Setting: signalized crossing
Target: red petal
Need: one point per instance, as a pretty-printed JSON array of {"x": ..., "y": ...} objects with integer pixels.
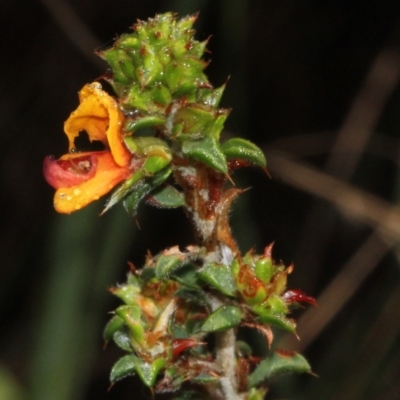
[
  {"x": 180, "y": 345},
  {"x": 69, "y": 172},
  {"x": 297, "y": 296}
]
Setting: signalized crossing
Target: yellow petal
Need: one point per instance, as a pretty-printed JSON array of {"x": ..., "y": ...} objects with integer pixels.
[
  {"x": 99, "y": 115},
  {"x": 108, "y": 175}
]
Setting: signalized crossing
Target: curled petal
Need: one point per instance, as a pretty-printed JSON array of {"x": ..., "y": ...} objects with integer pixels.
[
  {"x": 107, "y": 175},
  {"x": 297, "y": 296},
  {"x": 69, "y": 172},
  {"x": 180, "y": 345},
  {"x": 99, "y": 115}
]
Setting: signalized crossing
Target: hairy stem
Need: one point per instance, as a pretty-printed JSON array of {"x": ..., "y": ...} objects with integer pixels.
[{"x": 226, "y": 360}]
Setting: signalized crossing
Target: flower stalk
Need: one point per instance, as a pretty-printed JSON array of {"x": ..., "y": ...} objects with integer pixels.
[{"x": 178, "y": 300}]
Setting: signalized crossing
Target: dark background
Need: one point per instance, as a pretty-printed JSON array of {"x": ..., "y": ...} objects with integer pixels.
[{"x": 315, "y": 83}]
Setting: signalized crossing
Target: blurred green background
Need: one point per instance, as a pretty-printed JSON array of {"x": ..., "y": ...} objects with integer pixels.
[{"x": 316, "y": 84}]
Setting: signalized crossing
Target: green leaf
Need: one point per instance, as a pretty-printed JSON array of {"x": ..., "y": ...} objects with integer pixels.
[
  {"x": 166, "y": 264},
  {"x": 219, "y": 276},
  {"x": 161, "y": 94},
  {"x": 257, "y": 394},
  {"x": 179, "y": 332},
  {"x": 223, "y": 318},
  {"x": 148, "y": 121},
  {"x": 113, "y": 56},
  {"x": 166, "y": 197},
  {"x": 132, "y": 184},
  {"x": 191, "y": 395},
  {"x": 153, "y": 164},
  {"x": 279, "y": 320},
  {"x": 243, "y": 348},
  {"x": 124, "y": 367},
  {"x": 279, "y": 362},
  {"x": 187, "y": 276},
  {"x": 114, "y": 324},
  {"x": 213, "y": 97},
  {"x": 207, "y": 151},
  {"x": 132, "y": 317},
  {"x": 147, "y": 273},
  {"x": 127, "y": 293},
  {"x": 148, "y": 371},
  {"x": 123, "y": 340},
  {"x": 241, "y": 149},
  {"x": 204, "y": 378},
  {"x": 195, "y": 295},
  {"x": 132, "y": 201}
]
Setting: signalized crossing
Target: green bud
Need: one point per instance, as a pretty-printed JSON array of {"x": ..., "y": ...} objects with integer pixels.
[
  {"x": 137, "y": 98},
  {"x": 264, "y": 269},
  {"x": 160, "y": 94},
  {"x": 112, "y": 56}
]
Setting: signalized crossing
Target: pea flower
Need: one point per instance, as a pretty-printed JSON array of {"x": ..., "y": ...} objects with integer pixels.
[{"x": 80, "y": 178}]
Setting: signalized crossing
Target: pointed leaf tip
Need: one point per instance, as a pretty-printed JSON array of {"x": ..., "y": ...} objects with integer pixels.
[
  {"x": 207, "y": 151},
  {"x": 279, "y": 362},
  {"x": 242, "y": 149}
]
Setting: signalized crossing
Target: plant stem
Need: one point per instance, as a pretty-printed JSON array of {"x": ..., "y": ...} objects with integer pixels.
[{"x": 226, "y": 360}]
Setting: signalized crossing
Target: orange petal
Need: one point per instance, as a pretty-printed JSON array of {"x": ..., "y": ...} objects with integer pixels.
[
  {"x": 108, "y": 175},
  {"x": 99, "y": 115}
]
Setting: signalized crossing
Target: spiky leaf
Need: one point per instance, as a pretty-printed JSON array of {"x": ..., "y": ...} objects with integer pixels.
[
  {"x": 166, "y": 197},
  {"x": 194, "y": 295},
  {"x": 124, "y": 367},
  {"x": 207, "y": 151},
  {"x": 223, "y": 318},
  {"x": 132, "y": 201},
  {"x": 187, "y": 276},
  {"x": 266, "y": 316},
  {"x": 279, "y": 362},
  {"x": 148, "y": 371},
  {"x": 242, "y": 149},
  {"x": 122, "y": 340},
  {"x": 127, "y": 293},
  {"x": 113, "y": 325},
  {"x": 166, "y": 264},
  {"x": 142, "y": 122},
  {"x": 219, "y": 276}
]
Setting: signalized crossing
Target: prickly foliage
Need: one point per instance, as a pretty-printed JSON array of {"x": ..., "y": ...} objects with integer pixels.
[{"x": 161, "y": 130}]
